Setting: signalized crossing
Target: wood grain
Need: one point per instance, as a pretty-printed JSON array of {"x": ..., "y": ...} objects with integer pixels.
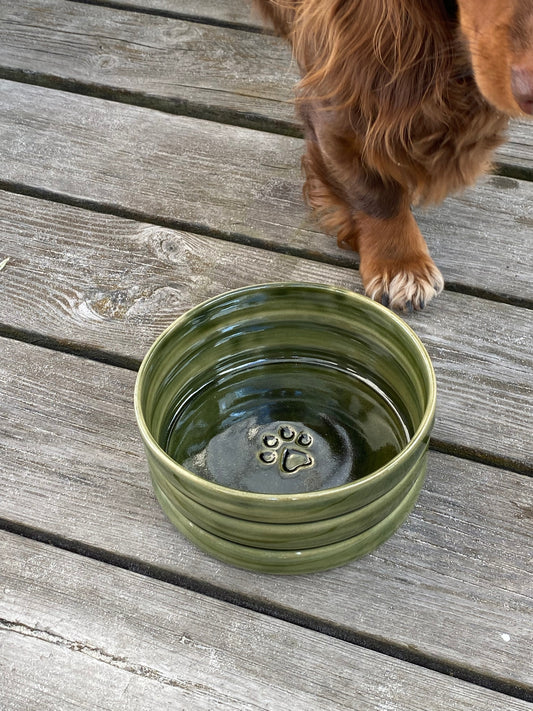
[
  {"x": 164, "y": 61},
  {"x": 235, "y": 183},
  {"x": 454, "y": 584},
  {"x": 172, "y": 64},
  {"x": 518, "y": 151},
  {"x": 100, "y": 283},
  {"x": 78, "y": 633},
  {"x": 224, "y": 11},
  {"x": 172, "y": 209}
]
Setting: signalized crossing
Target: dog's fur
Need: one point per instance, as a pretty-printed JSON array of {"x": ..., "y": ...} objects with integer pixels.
[{"x": 403, "y": 102}]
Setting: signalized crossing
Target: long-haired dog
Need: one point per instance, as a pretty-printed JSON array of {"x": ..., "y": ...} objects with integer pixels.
[{"x": 403, "y": 102}]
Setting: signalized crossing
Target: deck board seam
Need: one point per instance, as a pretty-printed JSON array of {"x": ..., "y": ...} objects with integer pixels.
[
  {"x": 116, "y": 360},
  {"x": 366, "y": 641},
  {"x": 173, "y": 106},
  {"x": 185, "y": 107},
  {"x": 232, "y": 237},
  {"x": 176, "y": 15}
]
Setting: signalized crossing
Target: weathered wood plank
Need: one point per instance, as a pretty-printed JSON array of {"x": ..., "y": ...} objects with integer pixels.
[
  {"x": 99, "y": 282},
  {"x": 175, "y": 65},
  {"x": 236, "y": 12},
  {"x": 454, "y": 584},
  {"x": 164, "y": 61},
  {"x": 239, "y": 182},
  {"x": 96, "y": 280},
  {"x": 518, "y": 151},
  {"x": 73, "y": 632}
]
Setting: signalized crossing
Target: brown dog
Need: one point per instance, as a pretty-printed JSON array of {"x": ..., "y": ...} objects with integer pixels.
[{"x": 403, "y": 101}]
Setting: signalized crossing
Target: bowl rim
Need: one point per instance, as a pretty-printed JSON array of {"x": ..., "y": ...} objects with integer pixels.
[{"x": 181, "y": 473}]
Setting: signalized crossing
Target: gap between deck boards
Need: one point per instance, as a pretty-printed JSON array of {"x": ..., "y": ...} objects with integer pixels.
[
  {"x": 238, "y": 238},
  {"x": 305, "y": 621},
  {"x": 184, "y": 107},
  {"x": 237, "y": 653},
  {"x": 109, "y": 358},
  {"x": 251, "y": 26}
]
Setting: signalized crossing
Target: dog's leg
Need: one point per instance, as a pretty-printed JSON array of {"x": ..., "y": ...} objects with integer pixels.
[
  {"x": 328, "y": 204},
  {"x": 372, "y": 218},
  {"x": 394, "y": 260}
]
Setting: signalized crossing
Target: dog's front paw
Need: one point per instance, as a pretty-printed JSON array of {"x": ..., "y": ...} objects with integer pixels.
[{"x": 406, "y": 286}]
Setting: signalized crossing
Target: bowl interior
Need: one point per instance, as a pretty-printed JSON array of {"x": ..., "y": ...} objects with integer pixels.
[
  {"x": 284, "y": 389},
  {"x": 276, "y": 425}
]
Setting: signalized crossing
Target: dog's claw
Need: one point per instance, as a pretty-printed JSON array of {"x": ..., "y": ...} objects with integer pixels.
[{"x": 409, "y": 290}]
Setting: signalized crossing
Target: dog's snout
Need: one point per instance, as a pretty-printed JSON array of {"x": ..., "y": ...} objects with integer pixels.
[{"x": 522, "y": 86}]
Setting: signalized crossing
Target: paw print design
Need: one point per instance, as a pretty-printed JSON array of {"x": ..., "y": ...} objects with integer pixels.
[{"x": 287, "y": 448}]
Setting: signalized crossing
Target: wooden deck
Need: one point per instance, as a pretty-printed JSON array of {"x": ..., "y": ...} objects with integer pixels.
[{"x": 149, "y": 160}]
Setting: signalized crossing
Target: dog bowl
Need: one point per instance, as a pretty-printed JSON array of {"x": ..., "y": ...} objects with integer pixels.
[
  {"x": 286, "y": 418},
  {"x": 288, "y": 536},
  {"x": 296, "y": 561}
]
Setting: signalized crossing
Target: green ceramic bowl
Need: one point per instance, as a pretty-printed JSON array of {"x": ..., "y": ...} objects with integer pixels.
[
  {"x": 286, "y": 404},
  {"x": 292, "y": 562},
  {"x": 289, "y": 536}
]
